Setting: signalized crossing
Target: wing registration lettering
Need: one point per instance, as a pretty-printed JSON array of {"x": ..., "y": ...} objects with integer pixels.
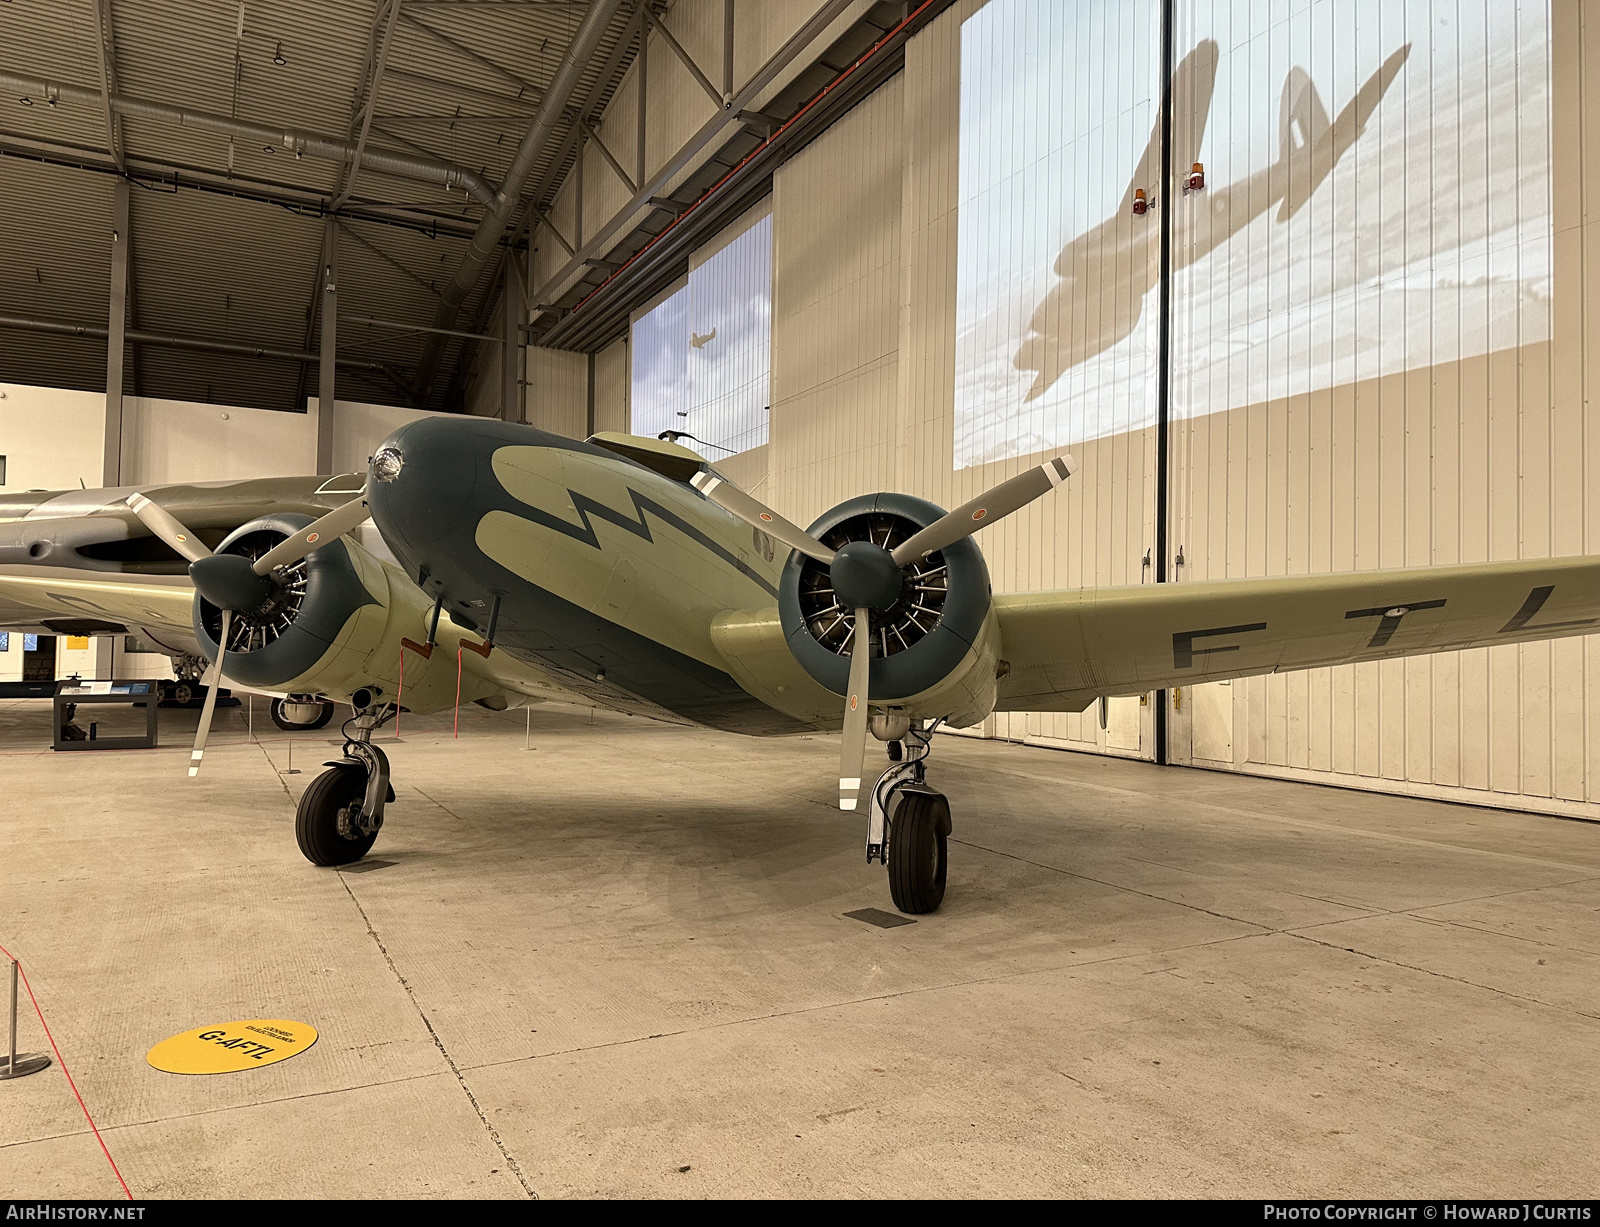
[
  {"x": 1184, "y": 651},
  {"x": 1390, "y": 616},
  {"x": 1535, "y": 602}
]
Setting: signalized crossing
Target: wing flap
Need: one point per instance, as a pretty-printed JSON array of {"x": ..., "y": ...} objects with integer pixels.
[{"x": 1066, "y": 649}]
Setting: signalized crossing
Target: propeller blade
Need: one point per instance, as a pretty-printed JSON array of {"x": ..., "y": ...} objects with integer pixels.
[
  {"x": 210, "y": 707},
  {"x": 315, "y": 535},
  {"x": 730, "y": 498},
  {"x": 853, "y": 751},
  {"x": 988, "y": 507},
  {"x": 166, "y": 526}
]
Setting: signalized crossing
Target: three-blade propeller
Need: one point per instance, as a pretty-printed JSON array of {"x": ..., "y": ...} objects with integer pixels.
[
  {"x": 867, "y": 577},
  {"x": 233, "y": 583},
  {"x": 752, "y": 511}
]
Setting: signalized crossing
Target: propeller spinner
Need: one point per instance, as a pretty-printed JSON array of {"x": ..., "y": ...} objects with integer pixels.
[{"x": 868, "y": 578}]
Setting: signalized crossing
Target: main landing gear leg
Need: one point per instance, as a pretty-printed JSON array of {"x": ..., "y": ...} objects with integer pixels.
[
  {"x": 341, "y": 812},
  {"x": 908, "y": 825}
]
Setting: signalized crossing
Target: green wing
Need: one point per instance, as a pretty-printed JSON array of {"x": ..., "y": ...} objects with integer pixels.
[{"x": 1065, "y": 649}]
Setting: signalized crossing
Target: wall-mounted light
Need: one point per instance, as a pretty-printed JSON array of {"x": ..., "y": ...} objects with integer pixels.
[
  {"x": 25, "y": 101},
  {"x": 277, "y": 56},
  {"x": 268, "y": 149}
]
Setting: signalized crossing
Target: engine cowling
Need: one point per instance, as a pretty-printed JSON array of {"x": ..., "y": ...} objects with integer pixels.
[
  {"x": 933, "y": 647},
  {"x": 319, "y": 623},
  {"x": 336, "y": 623}
]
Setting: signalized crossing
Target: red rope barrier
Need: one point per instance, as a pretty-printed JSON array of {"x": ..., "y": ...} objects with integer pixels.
[{"x": 61, "y": 1062}]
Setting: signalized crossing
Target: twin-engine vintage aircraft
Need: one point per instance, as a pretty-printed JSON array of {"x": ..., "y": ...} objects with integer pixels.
[{"x": 625, "y": 572}]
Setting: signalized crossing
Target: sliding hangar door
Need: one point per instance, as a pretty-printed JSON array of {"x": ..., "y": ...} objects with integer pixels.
[
  {"x": 1340, "y": 325},
  {"x": 1359, "y": 347}
]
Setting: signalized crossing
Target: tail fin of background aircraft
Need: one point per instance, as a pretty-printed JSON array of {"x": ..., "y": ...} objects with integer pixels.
[
  {"x": 1302, "y": 119},
  {"x": 1193, "y": 81},
  {"x": 1308, "y": 145}
]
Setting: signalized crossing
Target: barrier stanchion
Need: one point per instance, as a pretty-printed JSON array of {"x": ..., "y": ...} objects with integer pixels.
[
  {"x": 18, "y": 1063},
  {"x": 29, "y": 1062}
]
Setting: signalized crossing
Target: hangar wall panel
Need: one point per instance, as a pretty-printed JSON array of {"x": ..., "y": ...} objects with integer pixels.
[
  {"x": 51, "y": 438},
  {"x": 835, "y": 303},
  {"x": 611, "y": 387},
  {"x": 558, "y": 391},
  {"x": 173, "y": 441}
]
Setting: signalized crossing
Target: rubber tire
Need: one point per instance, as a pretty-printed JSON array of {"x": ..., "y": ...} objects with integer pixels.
[
  {"x": 289, "y": 726},
  {"x": 316, "y": 821},
  {"x": 918, "y": 852}
]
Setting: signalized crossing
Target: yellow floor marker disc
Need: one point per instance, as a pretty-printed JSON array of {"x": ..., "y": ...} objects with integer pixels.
[{"x": 230, "y": 1047}]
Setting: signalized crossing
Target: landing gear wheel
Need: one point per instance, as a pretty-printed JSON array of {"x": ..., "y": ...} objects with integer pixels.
[
  {"x": 183, "y": 694},
  {"x": 918, "y": 855},
  {"x": 281, "y": 719},
  {"x": 316, "y": 822}
]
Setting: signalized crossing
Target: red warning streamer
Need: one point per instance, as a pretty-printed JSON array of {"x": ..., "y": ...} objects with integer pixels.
[{"x": 61, "y": 1062}]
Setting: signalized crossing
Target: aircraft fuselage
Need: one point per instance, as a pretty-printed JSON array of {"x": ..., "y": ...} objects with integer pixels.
[{"x": 576, "y": 559}]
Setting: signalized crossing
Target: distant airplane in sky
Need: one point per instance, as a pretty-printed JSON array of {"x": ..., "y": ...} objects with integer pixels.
[
  {"x": 698, "y": 341},
  {"x": 1107, "y": 271}
]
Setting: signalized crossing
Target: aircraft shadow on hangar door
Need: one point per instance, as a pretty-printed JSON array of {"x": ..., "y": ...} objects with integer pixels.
[{"x": 1113, "y": 267}]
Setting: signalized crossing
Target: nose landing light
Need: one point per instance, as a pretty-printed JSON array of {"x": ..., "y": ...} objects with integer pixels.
[{"x": 387, "y": 463}]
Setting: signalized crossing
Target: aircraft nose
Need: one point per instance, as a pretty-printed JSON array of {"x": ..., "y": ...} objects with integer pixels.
[
  {"x": 429, "y": 486},
  {"x": 420, "y": 482}
]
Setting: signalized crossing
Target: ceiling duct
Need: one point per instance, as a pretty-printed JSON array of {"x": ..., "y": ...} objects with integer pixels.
[
  {"x": 290, "y": 140},
  {"x": 487, "y": 239},
  {"x": 142, "y": 336}
]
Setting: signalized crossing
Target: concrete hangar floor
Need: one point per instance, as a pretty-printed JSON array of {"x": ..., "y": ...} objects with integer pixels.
[{"x": 618, "y": 964}]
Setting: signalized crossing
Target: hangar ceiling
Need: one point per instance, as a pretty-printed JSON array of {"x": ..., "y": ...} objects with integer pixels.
[
  {"x": 237, "y": 127},
  {"x": 227, "y": 224}
]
